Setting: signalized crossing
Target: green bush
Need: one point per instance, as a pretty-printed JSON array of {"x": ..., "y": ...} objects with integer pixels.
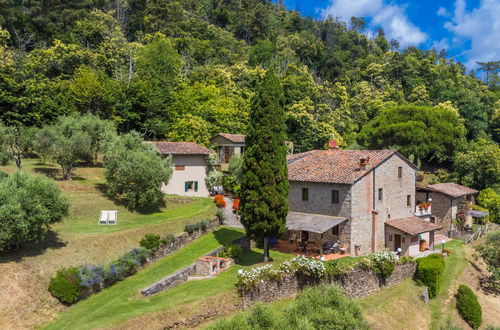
[
  {"x": 65, "y": 286},
  {"x": 167, "y": 239},
  {"x": 221, "y": 215},
  {"x": 189, "y": 228},
  {"x": 430, "y": 273},
  {"x": 468, "y": 306},
  {"x": 203, "y": 225},
  {"x": 151, "y": 242},
  {"x": 323, "y": 307},
  {"x": 231, "y": 251}
]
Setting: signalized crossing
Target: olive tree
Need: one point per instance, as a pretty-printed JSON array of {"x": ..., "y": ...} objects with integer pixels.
[
  {"x": 29, "y": 205},
  {"x": 135, "y": 172}
]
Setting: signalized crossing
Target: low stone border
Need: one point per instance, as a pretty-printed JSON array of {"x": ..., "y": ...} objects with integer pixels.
[
  {"x": 357, "y": 284},
  {"x": 183, "y": 274}
]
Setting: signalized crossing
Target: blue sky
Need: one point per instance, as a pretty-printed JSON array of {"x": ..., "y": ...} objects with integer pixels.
[{"x": 468, "y": 30}]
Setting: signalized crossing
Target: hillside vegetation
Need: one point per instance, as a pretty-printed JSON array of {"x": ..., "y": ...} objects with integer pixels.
[{"x": 185, "y": 70}]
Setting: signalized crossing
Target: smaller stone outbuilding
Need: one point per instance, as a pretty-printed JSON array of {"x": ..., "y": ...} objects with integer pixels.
[
  {"x": 190, "y": 168},
  {"x": 413, "y": 235},
  {"x": 228, "y": 146},
  {"x": 446, "y": 199}
]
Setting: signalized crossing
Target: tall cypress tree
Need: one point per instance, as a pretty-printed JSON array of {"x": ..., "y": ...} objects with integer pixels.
[{"x": 264, "y": 188}]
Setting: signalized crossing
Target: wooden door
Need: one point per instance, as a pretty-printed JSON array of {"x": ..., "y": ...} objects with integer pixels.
[
  {"x": 397, "y": 242},
  {"x": 227, "y": 155}
]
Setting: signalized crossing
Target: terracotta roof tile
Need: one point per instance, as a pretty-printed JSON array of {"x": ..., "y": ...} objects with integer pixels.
[
  {"x": 452, "y": 189},
  {"x": 333, "y": 166},
  {"x": 413, "y": 225},
  {"x": 180, "y": 148},
  {"x": 236, "y": 138}
]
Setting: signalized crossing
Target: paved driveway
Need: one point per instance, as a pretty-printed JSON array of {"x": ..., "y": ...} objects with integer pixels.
[{"x": 231, "y": 218}]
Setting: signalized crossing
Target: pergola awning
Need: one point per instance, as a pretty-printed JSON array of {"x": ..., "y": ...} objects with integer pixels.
[
  {"x": 478, "y": 214},
  {"x": 314, "y": 223}
]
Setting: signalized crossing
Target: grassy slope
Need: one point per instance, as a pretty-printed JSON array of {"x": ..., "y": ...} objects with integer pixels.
[
  {"x": 25, "y": 273},
  {"x": 400, "y": 306},
  {"x": 123, "y": 301}
]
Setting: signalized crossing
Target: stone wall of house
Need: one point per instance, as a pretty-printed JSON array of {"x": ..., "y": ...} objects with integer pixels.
[
  {"x": 183, "y": 274},
  {"x": 357, "y": 284},
  {"x": 180, "y": 241},
  {"x": 320, "y": 202},
  {"x": 392, "y": 206}
]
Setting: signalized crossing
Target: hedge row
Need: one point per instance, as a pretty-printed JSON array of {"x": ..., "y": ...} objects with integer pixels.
[
  {"x": 468, "y": 306},
  {"x": 430, "y": 271},
  {"x": 72, "y": 284}
]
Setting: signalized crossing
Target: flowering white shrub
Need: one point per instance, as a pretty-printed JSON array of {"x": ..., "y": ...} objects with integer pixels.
[
  {"x": 297, "y": 265},
  {"x": 383, "y": 262}
]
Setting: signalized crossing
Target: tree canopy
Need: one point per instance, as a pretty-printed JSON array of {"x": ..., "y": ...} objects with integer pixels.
[
  {"x": 30, "y": 204},
  {"x": 430, "y": 133}
]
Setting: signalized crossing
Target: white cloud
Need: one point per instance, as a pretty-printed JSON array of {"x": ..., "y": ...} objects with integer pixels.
[
  {"x": 441, "y": 44},
  {"x": 391, "y": 18},
  {"x": 442, "y": 12},
  {"x": 481, "y": 27}
]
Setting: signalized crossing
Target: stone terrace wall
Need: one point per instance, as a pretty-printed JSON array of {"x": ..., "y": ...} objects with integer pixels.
[
  {"x": 183, "y": 274},
  {"x": 358, "y": 283}
]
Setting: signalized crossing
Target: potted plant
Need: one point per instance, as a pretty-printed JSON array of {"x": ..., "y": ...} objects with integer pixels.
[{"x": 423, "y": 244}]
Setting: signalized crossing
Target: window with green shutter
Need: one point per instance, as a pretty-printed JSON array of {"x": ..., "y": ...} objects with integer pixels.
[
  {"x": 196, "y": 186},
  {"x": 186, "y": 186}
]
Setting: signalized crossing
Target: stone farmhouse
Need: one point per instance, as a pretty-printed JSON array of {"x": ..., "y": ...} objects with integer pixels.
[
  {"x": 447, "y": 200},
  {"x": 190, "y": 168},
  {"x": 364, "y": 199}
]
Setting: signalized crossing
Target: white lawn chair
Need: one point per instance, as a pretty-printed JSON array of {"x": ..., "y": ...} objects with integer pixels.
[{"x": 108, "y": 218}]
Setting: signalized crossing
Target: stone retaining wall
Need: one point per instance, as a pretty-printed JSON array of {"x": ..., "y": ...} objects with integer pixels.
[
  {"x": 357, "y": 284},
  {"x": 183, "y": 274}
]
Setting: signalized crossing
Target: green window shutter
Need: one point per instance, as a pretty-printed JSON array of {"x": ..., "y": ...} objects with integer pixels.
[
  {"x": 196, "y": 186},
  {"x": 186, "y": 186}
]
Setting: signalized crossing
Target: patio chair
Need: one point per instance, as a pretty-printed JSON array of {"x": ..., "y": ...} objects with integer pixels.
[{"x": 343, "y": 249}]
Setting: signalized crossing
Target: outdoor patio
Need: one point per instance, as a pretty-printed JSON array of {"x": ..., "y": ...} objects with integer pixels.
[{"x": 283, "y": 246}]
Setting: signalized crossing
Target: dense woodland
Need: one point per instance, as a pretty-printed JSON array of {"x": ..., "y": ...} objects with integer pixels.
[{"x": 185, "y": 70}]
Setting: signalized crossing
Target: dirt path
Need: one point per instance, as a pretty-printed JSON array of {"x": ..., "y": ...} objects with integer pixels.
[{"x": 490, "y": 303}]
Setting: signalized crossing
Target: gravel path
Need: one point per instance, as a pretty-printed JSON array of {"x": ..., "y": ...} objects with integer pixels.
[{"x": 231, "y": 218}]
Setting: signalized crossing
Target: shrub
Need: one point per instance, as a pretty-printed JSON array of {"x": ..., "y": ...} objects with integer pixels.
[
  {"x": 130, "y": 262},
  {"x": 203, "y": 225},
  {"x": 334, "y": 269},
  {"x": 167, "y": 239},
  {"x": 221, "y": 215},
  {"x": 430, "y": 273},
  {"x": 324, "y": 307},
  {"x": 92, "y": 276},
  {"x": 219, "y": 201},
  {"x": 405, "y": 259},
  {"x": 236, "y": 204},
  {"x": 383, "y": 262},
  {"x": 231, "y": 251},
  {"x": 189, "y": 228},
  {"x": 468, "y": 306},
  {"x": 65, "y": 285},
  {"x": 151, "y": 242}
]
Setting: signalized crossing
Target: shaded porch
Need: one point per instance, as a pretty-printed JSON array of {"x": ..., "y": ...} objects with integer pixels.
[{"x": 314, "y": 235}]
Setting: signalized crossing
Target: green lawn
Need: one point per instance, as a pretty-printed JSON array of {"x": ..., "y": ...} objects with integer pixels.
[{"x": 123, "y": 301}]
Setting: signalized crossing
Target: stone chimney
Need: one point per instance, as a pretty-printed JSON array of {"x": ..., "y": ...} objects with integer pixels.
[
  {"x": 364, "y": 163},
  {"x": 332, "y": 144}
]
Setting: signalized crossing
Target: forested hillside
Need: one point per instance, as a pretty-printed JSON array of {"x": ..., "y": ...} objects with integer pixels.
[{"x": 184, "y": 70}]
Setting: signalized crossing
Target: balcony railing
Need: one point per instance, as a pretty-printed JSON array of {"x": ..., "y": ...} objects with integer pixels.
[{"x": 422, "y": 211}]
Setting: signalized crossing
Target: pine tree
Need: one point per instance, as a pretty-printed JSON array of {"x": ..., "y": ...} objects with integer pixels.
[{"x": 264, "y": 189}]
